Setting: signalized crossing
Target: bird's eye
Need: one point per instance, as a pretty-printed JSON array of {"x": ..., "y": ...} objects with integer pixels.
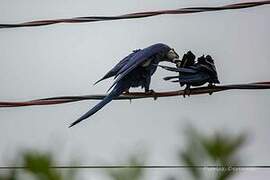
[{"x": 171, "y": 55}]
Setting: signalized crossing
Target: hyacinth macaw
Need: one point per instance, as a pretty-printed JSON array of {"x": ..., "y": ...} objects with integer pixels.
[
  {"x": 188, "y": 60},
  {"x": 135, "y": 70},
  {"x": 194, "y": 74}
]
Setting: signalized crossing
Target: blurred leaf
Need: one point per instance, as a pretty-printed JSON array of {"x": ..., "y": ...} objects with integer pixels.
[
  {"x": 220, "y": 149},
  {"x": 188, "y": 160},
  {"x": 10, "y": 176},
  {"x": 128, "y": 173},
  {"x": 225, "y": 174},
  {"x": 39, "y": 165}
]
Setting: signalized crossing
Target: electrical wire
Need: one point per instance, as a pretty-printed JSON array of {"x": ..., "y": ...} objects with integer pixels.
[
  {"x": 136, "y": 15},
  {"x": 137, "y": 95}
]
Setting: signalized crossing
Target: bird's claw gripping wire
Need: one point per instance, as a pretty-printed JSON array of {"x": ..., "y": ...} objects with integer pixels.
[
  {"x": 187, "y": 91},
  {"x": 152, "y": 93},
  {"x": 127, "y": 93},
  {"x": 211, "y": 86}
]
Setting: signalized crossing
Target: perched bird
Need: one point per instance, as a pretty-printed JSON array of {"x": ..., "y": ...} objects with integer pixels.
[
  {"x": 188, "y": 59},
  {"x": 135, "y": 70},
  {"x": 201, "y": 72}
]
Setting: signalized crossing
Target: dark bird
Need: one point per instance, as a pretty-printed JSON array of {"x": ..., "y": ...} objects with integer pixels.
[
  {"x": 135, "y": 70},
  {"x": 188, "y": 59},
  {"x": 201, "y": 72}
]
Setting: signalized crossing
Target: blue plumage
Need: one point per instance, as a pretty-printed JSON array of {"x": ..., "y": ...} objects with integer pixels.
[
  {"x": 194, "y": 74},
  {"x": 118, "y": 66},
  {"x": 135, "y": 70}
]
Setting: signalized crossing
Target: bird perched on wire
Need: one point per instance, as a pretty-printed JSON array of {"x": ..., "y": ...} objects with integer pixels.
[
  {"x": 194, "y": 74},
  {"x": 188, "y": 59},
  {"x": 135, "y": 70}
]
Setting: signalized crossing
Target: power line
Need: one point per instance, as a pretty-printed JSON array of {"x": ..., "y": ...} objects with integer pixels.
[
  {"x": 136, "y": 95},
  {"x": 136, "y": 15},
  {"x": 147, "y": 167}
]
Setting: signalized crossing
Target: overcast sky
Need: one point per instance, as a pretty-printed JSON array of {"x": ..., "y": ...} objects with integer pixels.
[{"x": 66, "y": 59}]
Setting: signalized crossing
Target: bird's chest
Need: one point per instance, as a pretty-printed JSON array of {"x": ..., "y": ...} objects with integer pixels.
[
  {"x": 150, "y": 66},
  {"x": 147, "y": 63},
  {"x": 141, "y": 74}
]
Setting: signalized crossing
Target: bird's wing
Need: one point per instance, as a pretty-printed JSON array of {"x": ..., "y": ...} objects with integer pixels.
[
  {"x": 193, "y": 78},
  {"x": 209, "y": 69},
  {"x": 136, "y": 60},
  {"x": 118, "y": 66},
  {"x": 180, "y": 70},
  {"x": 170, "y": 77}
]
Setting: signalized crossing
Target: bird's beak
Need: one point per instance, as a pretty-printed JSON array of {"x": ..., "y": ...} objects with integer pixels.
[
  {"x": 173, "y": 56},
  {"x": 176, "y": 60}
]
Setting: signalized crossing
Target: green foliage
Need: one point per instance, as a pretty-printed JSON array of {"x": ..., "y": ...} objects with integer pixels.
[
  {"x": 132, "y": 173},
  {"x": 219, "y": 150},
  {"x": 38, "y": 166},
  {"x": 10, "y": 176}
]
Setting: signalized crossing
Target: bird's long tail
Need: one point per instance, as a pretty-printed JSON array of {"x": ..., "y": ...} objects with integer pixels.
[{"x": 117, "y": 91}]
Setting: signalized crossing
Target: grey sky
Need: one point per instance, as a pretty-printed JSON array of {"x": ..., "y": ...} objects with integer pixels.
[{"x": 67, "y": 59}]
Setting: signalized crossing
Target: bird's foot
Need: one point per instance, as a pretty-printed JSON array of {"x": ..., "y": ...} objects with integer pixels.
[
  {"x": 211, "y": 86},
  {"x": 127, "y": 93},
  {"x": 177, "y": 63},
  {"x": 187, "y": 91},
  {"x": 151, "y": 92}
]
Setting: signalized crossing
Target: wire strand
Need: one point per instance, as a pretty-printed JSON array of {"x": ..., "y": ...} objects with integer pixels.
[
  {"x": 146, "y": 167},
  {"x": 145, "y": 14},
  {"x": 137, "y": 95}
]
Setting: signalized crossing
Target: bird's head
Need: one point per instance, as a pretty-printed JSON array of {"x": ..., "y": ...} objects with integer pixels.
[
  {"x": 210, "y": 62},
  {"x": 190, "y": 56},
  {"x": 209, "y": 59},
  {"x": 172, "y": 56},
  {"x": 188, "y": 59},
  {"x": 201, "y": 60}
]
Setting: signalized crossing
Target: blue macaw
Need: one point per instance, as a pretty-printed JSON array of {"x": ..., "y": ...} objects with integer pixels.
[
  {"x": 194, "y": 74},
  {"x": 135, "y": 70},
  {"x": 188, "y": 60}
]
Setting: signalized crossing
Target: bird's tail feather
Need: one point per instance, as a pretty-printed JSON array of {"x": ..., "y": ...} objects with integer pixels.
[
  {"x": 114, "y": 93},
  {"x": 170, "y": 77},
  {"x": 99, "y": 81}
]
